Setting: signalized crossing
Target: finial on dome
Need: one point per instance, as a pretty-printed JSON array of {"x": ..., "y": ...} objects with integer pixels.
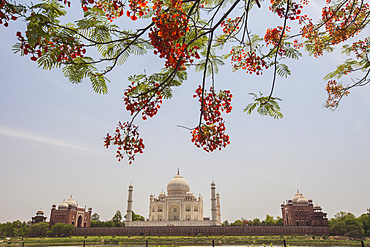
[
  {"x": 178, "y": 171},
  {"x": 297, "y": 190}
]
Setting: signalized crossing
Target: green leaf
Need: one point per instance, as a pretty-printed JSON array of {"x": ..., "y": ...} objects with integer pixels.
[{"x": 265, "y": 106}]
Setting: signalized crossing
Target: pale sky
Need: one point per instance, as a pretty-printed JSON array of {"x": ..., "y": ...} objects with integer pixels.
[{"x": 51, "y": 142}]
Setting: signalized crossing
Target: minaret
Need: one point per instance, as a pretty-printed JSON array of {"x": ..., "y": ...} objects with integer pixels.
[
  {"x": 150, "y": 206},
  {"x": 213, "y": 202},
  {"x": 129, "y": 203},
  {"x": 218, "y": 207}
]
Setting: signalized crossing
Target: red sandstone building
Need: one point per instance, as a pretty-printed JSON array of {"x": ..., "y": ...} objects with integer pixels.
[
  {"x": 69, "y": 212},
  {"x": 39, "y": 217},
  {"x": 299, "y": 211}
]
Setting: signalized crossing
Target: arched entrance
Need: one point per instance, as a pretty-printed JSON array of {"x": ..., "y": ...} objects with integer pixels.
[
  {"x": 79, "y": 221},
  {"x": 174, "y": 213}
]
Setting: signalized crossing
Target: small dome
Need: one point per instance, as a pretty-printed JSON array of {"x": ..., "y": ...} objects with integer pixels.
[
  {"x": 40, "y": 211},
  {"x": 178, "y": 185},
  {"x": 317, "y": 206},
  {"x": 189, "y": 193},
  {"x": 162, "y": 195},
  {"x": 72, "y": 202},
  {"x": 302, "y": 200},
  {"x": 63, "y": 205},
  {"x": 296, "y": 197}
]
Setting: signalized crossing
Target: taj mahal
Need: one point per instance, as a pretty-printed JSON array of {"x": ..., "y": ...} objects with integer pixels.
[{"x": 179, "y": 207}]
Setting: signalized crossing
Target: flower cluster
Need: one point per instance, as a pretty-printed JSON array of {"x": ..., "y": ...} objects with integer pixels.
[
  {"x": 6, "y": 13},
  {"x": 342, "y": 24},
  {"x": 59, "y": 51},
  {"x": 248, "y": 61},
  {"x": 170, "y": 26},
  {"x": 113, "y": 8},
  {"x": 230, "y": 25},
  {"x": 84, "y": 4},
  {"x": 127, "y": 138},
  {"x": 297, "y": 44},
  {"x": 148, "y": 103},
  {"x": 137, "y": 7},
  {"x": 272, "y": 35},
  {"x": 339, "y": 22},
  {"x": 361, "y": 48},
  {"x": 278, "y": 7},
  {"x": 210, "y": 135},
  {"x": 335, "y": 92}
]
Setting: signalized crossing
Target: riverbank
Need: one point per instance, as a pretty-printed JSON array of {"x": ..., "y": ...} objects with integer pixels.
[{"x": 184, "y": 241}]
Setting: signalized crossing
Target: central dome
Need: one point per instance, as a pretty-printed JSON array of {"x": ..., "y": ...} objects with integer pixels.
[{"x": 177, "y": 185}]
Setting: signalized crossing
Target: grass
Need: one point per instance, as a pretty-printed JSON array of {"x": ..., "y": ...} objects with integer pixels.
[{"x": 191, "y": 240}]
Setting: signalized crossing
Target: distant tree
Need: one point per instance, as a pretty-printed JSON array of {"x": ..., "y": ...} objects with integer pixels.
[
  {"x": 14, "y": 229},
  {"x": 365, "y": 220},
  {"x": 62, "y": 230},
  {"x": 136, "y": 217},
  {"x": 97, "y": 223},
  {"x": 39, "y": 229},
  {"x": 95, "y": 217},
  {"x": 237, "y": 223},
  {"x": 22, "y": 231},
  {"x": 279, "y": 221},
  {"x": 117, "y": 218},
  {"x": 346, "y": 224},
  {"x": 269, "y": 221},
  {"x": 109, "y": 224},
  {"x": 225, "y": 223},
  {"x": 337, "y": 228},
  {"x": 255, "y": 222},
  {"x": 7, "y": 229}
]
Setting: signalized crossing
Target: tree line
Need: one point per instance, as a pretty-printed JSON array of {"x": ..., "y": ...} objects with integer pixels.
[
  {"x": 268, "y": 221},
  {"x": 347, "y": 224},
  {"x": 116, "y": 220},
  {"x": 41, "y": 229},
  {"x": 342, "y": 224}
]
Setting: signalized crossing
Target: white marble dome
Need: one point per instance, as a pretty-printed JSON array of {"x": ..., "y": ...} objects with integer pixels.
[
  {"x": 178, "y": 185},
  {"x": 162, "y": 195}
]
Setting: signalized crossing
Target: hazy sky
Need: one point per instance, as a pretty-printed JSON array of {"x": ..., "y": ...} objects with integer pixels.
[{"x": 51, "y": 142}]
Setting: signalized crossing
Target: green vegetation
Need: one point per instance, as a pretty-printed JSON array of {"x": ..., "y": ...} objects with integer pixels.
[
  {"x": 346, "y": 224},
  {"x": 116, "y": 221},
  {"x": 61, "y": 230},
  {"x": 184, "y": 241},
  {"x": 39, "y": 229},
  {"x": 269, "y": 221},
  {"x": 343, "y": 224},
  {"x": 136, "y": 217}
]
